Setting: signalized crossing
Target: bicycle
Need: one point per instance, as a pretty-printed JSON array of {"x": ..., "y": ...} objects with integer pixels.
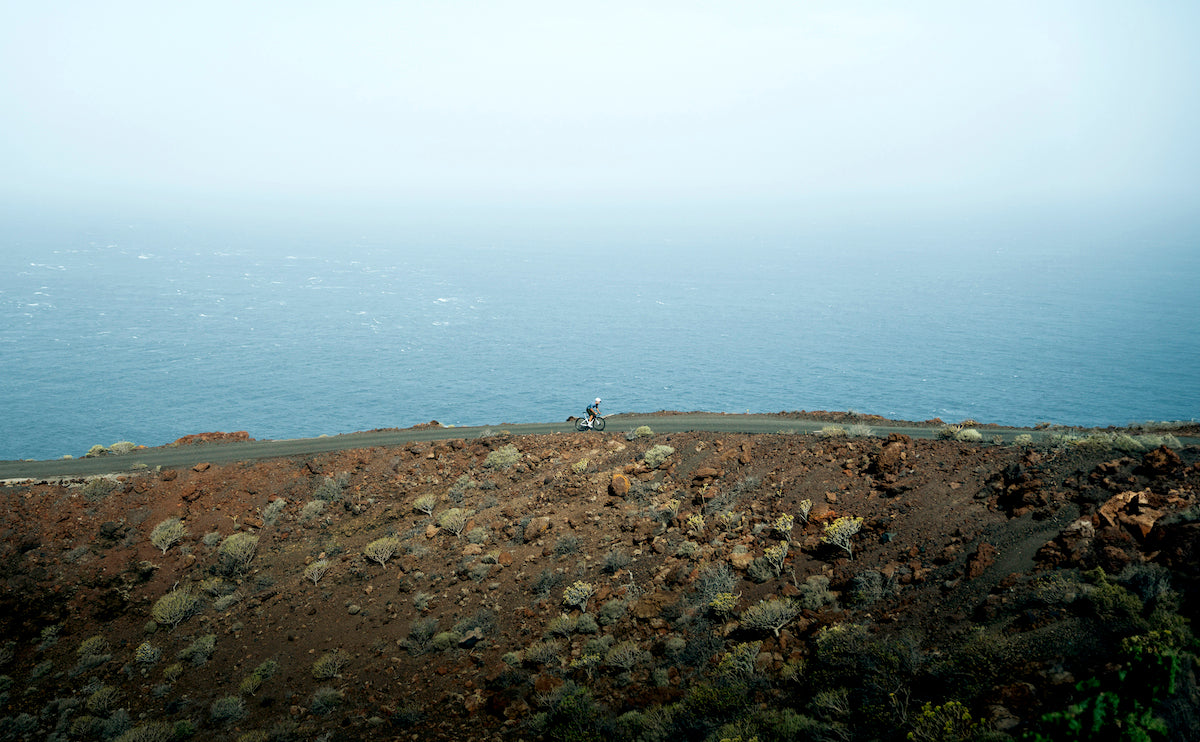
[{"x": 582, "y": 423}]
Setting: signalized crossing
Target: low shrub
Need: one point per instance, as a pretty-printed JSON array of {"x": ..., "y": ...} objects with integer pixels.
[
  {"x": 103, "y": 699},
  {"x": 168, "y": 533},
  {"x": 770, "y": 614},
  {"x": 330, "y": 490},
  {"x": 381, "y": 549},
  {"x": 155, "y": 731},
  {"x": 227, "y": 709},
  {"x": 542, "y": 653},
  {"x": 315, "y": 571},
  {"x": 425, "y": 503},
  {"x": 312, "y": 510},
  {"x": 272, "y": 511},
  {"x": 146, "y": 654},
  {"x": 454, "y": 520},
  {"x": 255, "y": 680},
  {"x": 579, "y": 594},
  {"x": 329, "y": 665},
  {"x": 97, "y": 488},
  {"x": 92, "y": 646},
  {"x": 657, "y": 455},
  {"x": 840, "y": 531},
  {"x": 325, "y": 700},
  {"x": 236, "y": 552},
  {"x": 643, "y": 431},
  {"x": 567, "y": 544},
  {"x": 624, "y": 656},
  {"x": 175, "y": 607},
  {"x": 502, "y": 458},
  {"x": 615, "y": 561},
  {"x": 199, "y": 651}
]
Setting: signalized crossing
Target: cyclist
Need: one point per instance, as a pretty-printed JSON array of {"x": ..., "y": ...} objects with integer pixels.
[{"x": 593, "y": 411}]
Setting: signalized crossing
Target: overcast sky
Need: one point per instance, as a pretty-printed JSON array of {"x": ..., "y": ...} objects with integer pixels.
[{"x": 950, "y": 102}]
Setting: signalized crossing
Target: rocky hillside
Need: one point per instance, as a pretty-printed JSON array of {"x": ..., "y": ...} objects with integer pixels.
[{"x": 613, "y": 586}]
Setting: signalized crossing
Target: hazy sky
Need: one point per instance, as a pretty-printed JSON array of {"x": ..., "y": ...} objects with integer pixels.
[{"x": 951, "y": 103}]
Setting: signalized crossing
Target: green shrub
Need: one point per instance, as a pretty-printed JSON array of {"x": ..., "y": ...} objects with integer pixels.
[
  {"x": 236, "y": 552},
  {"x": 227, "y": 709},
  {"x": 503, "y": 457},
  {"x": 839, "y": 532},
  {"x": 272, "y": 511},
  {"x": 172, "y": 672},
  {"x": 255, "y": 680},
  {"x": 425, "y": 503},
  {"x": 92, "y": 646},
  {"x": 624, "y": 656},
  {"x": 567, "y": 544},
  {"x": 325, "y": 700},
  {"x": 315, "y": 571},
  {"x": 329, "y": 490},
  {"x": 815, "y": 593},
  {"x": 643, "y": 431},
  {"x": 445, "y": 641},
  {"x": 168, "y": 533},
  {"x": 102, "y": 700},
  {"x": 478, "y": 535},
  {"x": 968, "y": 435},
  {"x": 381, "y": 549},
  {"x": 328, "y": 665},
  {"x": 657, "y": 455},
  {"x": 611, "y": 612},
  {"x": 454, "y": 520},
  {"x": 615, "y": 561},
  {"x": 740, "y": 660},
  {"x": 121, "y": 448},
  {"x": 542, "y": 653},
  {"x": 175, "y": 607},
  {"x": 312, "y": 510},
  {"x": 155, "y": 731},
  {"x": 579, "y": 594},
  {"x": 146, "y": 654},
  {"x": 771, "y": 614},
  {"x": 948, "y": 722},
  {"x": 420, "y": 634},
  {"x": 97, "y": 488},
  {"x": 199, "y": 650}
]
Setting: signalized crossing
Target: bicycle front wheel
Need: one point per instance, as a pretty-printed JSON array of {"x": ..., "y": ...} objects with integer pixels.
[{"x": 598, "y": 423}]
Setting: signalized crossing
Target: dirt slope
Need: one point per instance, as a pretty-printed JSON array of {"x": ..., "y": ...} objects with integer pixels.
[{"x": 460, "y": 635}]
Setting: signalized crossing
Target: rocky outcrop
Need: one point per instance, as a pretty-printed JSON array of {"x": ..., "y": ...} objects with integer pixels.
[{"x": 240, "y": 436}]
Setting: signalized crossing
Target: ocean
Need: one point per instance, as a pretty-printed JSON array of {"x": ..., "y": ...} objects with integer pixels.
[{"x": 150, "y": 331}]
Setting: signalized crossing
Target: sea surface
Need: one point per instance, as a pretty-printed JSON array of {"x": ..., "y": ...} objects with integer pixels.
[{"x": 148, "y": 332}]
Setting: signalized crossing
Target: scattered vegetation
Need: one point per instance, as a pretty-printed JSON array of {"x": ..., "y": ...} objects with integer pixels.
[
  {"x": 236, "y": 552},
  {"x": 657, "y": 455},
  {"x": 176, "y": 607},
  {"x": 502, "y": 458},
  {"x": 380, "y": 550},
  {"x": 316, "y": 570},
  {"x": 168, "y": 533}
]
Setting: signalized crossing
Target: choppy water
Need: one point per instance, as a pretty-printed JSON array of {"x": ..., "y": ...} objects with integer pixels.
[{"x": 143, "y": 335}]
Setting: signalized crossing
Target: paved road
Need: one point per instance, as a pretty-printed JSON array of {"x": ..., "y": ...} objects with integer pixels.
[{"x": 223, "y": 453}]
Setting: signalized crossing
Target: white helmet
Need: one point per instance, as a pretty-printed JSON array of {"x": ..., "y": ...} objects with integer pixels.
[{"x": 597, "y": 400}]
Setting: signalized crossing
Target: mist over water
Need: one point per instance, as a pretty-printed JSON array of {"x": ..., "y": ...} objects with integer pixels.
[{"x": 154, "y": 330}]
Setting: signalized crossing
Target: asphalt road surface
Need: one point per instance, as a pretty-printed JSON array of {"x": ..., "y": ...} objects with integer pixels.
[{"x": 169, "y": 457}]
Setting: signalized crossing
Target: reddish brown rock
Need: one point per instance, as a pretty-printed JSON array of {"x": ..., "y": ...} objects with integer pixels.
[
  {"x": 537, "y": 528},
  {"x": 984, "y": 557},
  {"x": 619, "y": 486},
  {"x": 195, "y": 438},
  {"x": 1160, "y": 461}
]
